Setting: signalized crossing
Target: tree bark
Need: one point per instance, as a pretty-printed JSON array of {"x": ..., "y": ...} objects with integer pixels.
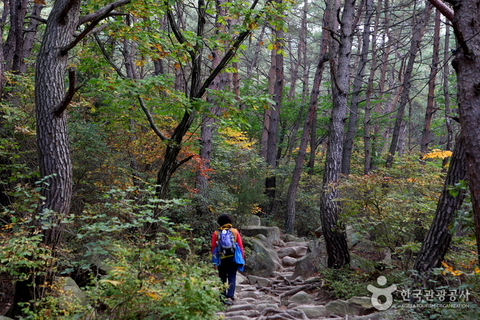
[
  {"x": 431, "y": 86},
  {"x": 52, "y": 137},
  {"x": 270, "y": 183},
  {"x": 333, "y": 231},
  {"x": 368, "y": 95},
  {"x": 268, "y": 111},
  {"x": 466, "y": 25},
  {"x": 438, "y": 238},
  {"x": 30, "y": 35},
  {"x": 446, "y": 94},
  {"x": 307, "y": 127},
  {"x": 357, "y": 88},
  {"x": 418, "y": 31}
]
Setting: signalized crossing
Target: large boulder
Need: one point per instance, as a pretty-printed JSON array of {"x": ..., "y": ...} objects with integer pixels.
[
  {"x": 263, "y": 260},
  {"x": 313, "y": 261},
  {"x": 271, "y": 233},
  {"x": 254, "y": 221},
  {"x": 70, "y": 293},
  {"x": 357, "y": 262}
]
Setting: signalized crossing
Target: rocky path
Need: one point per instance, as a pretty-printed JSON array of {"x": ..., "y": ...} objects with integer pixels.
[{"x": 283, "y": 297}]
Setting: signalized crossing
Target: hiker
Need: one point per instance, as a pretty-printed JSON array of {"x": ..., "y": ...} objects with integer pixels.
[{"x": 227, "y": 251}]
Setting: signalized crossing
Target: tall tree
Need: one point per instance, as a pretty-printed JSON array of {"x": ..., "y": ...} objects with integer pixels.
[
  {"x": 357, "y": 88},
  {"x": 418, "y": 31},
  {"x": 466, "y": 25},
  {"x": 438, "y": 238},
  {"x": 333, "y": 232},
  {"x": 431, "y": 86},
  {"x": 368, "y": 94},
  {"x": 270, "y": 183},
  {"x": 311, "y": 114}
]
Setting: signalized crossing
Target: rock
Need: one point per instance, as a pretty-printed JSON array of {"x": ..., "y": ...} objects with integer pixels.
[
  {"x": 287, "y": 251},
  {"x": 272, "y": 233},
  {"x": 295, "y": 252},
  {"x": 337, "y": 307},
  {"x": 250, "y": 313},
  {"x": 240, "y": 279},
  {"x": 252, "y": 279},
  {"x": 265, "y": 241},
  {"x": 312, "y": 262},
  {"x": 262, "y": 261},
  {"x": 241, "y": 307},
  {"x": 251, "y": 294},
  {"x": 264, "y": 306},
  {"x": 297, "y": 244},
  {"x": 358, "y": 262},
  {"x": 239, "y": 318},
  {"x": 278, "y": 243},
  {"x": 314, "y": 312},
  {"x": 388, "y": 257},
  {"x": 254, "y": 221},
  {"x": 301, "y": 298},
  {"x": 364, "y": 246},
  {"x": 292, "y": 238},
  {"x": 289, "y": 261},
  {"x": 264, "y": 282},
  {"x": 5, "y": 318},
  {"x": 353, "y": 238},
  {"x": 360, "y": 306},
  {"x": 298, "y": 314},
  {"x": 69, "y": 292}
]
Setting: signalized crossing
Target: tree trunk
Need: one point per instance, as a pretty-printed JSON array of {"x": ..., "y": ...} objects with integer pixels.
[
  {"x": 208, "y": 123},
  {"x": 52, "y": 137},
  {"x": 431, "y": 86},
  {"x": 467, "y": 65},
  {"x": 438, "y": 238},
  {"x": 368, "y": 95},
  {"x": 418, "y": 31},
  {"x": 357, "y": 88},
  {"x": 268, "y": 111},
  {"x": 333, "y": 232},
  {"x": 307, "y": 127},
  {"x": 30, "y": 35},
  {"x": 302, "y": 49},
  {"x": 446, "y": 95},
  {"x": 270, "y": 183},
  {"x": 21, "y": 11}
]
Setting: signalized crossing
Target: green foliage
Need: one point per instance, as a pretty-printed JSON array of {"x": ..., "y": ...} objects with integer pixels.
[
  {"x": 344, "y": 283},
  {"x": 147, "y": 281},
  {"x": 393, "y": 207}
]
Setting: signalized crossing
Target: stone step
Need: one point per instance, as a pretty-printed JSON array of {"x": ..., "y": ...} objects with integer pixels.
[
  {"x": 295, "y": 252},
  {"x": 296, "y": 244}
]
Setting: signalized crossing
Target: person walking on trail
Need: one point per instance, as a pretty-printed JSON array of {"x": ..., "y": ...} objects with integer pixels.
[{"x": 227, "y": 251}]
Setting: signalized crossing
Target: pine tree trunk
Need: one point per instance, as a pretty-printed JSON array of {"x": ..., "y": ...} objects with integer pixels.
[
  {"x": 270, "y": 183},
  {"x": 368, "y": 95},
  {"x": 438, "y": 238},
  {"x": 418, "y": 32},
  {"x": 446, "y": 94},
  {"x": 52, "y": 137},
  {"x": 333, "y": 232},
  {"x": 466, "y": 63},
  {"x": 357, "y": 88},
  {"x": 431, "y": 86}
]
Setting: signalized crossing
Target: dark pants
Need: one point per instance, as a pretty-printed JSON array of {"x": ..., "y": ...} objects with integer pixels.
[{"x": 228, "y": 269}]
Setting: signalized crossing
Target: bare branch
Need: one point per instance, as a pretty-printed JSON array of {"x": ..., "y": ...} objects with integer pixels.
[
  {"x": 103, "y": 12},
  {"x": 150, "y": 120},
  {"x": 42, "y": 20},
  {"x": 95, "y": 18}
]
